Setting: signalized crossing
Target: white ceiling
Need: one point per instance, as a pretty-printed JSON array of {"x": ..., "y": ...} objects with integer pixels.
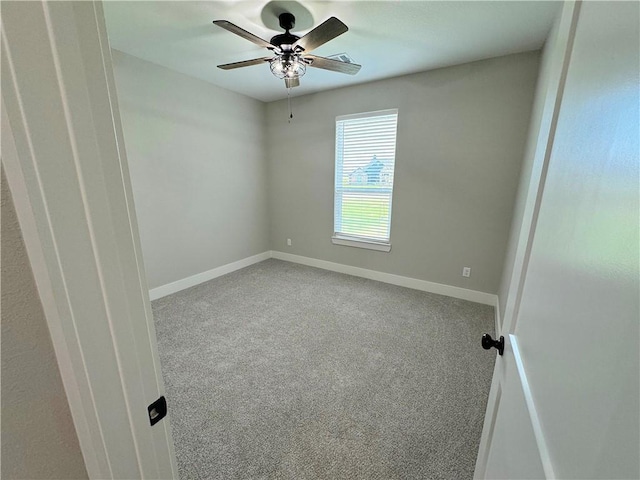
[{"x": 388, "y": 38}]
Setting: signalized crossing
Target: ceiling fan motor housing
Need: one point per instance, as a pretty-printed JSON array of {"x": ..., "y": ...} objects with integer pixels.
[
  {"x": 287, "y": 22},
  {"x": 284, "y": 39}
]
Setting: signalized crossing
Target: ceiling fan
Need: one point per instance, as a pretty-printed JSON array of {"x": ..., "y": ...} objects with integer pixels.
[{"x": 291, "y": 51}]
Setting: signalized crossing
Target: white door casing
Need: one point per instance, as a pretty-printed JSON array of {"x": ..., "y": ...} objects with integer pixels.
[
  {"x": 565, "y": 399},
  {"x": 64, "y": 157}
]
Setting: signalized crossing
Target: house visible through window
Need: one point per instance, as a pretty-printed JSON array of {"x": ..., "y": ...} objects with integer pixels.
[{"x": 365, "y": 161}]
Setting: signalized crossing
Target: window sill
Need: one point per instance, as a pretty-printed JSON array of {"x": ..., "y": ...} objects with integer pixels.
[{"x": 370, "y": 245}]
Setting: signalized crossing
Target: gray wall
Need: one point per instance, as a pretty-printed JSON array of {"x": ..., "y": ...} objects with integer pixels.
[
  {"x": 38, "y": 436},
  {"x": 461, "y": 139},
  {"x": 196, "y": 155}
]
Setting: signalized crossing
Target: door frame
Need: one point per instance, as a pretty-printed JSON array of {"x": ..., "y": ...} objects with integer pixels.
[
  {"x": 80, "y": 231},
  {"x": 558, "y": 48}
]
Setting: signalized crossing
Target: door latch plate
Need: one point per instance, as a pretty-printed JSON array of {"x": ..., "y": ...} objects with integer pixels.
[{"x": 157, "y": 410}]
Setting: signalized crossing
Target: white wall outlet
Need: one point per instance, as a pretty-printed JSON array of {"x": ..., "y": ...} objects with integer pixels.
[
  {"x": 289, "y": 242},
  {"x": 466, "y": 271}
]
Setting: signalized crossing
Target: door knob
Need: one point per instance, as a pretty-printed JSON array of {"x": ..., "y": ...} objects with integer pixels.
[{"x": 488, "y": 342}]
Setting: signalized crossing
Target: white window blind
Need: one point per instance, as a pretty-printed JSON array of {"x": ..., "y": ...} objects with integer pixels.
[{"x": 365, "y": 163}]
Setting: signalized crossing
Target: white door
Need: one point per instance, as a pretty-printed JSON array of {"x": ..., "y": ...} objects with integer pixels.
[
  {"x": 66, "y": 166},
  {"x": 565, "y": 397}
]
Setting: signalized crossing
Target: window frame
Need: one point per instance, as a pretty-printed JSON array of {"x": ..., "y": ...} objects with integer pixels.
[{"x": 339, "y": 238}]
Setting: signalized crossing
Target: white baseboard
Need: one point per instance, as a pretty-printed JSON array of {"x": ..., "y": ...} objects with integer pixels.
[
  {"x": 193, "y": 280},
  {"x": 431, "y": 287},
  {"x": 416, "y": 284}
]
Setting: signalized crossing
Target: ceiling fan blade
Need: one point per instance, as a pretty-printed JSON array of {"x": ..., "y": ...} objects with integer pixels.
[
  {"x": 333, "y": 65},
  {"x": 245, "y": 63},
  {"x": 292, "y": 82},
  {"x": 244, "y": 34},
  {"x": 320, "y": 35}
]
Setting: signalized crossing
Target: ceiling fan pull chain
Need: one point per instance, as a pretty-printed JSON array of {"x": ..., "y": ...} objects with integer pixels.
[{"x": 289, "y": 102}]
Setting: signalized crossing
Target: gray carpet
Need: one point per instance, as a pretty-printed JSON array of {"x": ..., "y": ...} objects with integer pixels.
[{"x": 290, "y": 372}]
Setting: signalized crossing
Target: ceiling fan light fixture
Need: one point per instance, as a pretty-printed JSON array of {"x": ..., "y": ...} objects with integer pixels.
[{"x": 288, "y": 66}]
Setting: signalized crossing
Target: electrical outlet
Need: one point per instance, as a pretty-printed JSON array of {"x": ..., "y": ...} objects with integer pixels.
[
  {"x": 289, "y": 242},
  {"x": 466, "y": 271}
]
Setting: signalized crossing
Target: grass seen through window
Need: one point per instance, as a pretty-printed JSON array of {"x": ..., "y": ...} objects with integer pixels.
[{"x": 365, "y": 217}]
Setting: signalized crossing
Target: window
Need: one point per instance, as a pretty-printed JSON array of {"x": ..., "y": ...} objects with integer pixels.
[{"x": 365, "y": 161}]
